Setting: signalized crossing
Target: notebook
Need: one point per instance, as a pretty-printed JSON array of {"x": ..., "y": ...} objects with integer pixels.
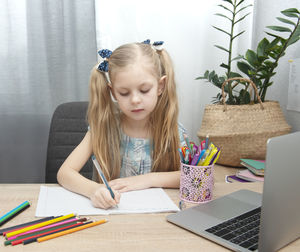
[{"x": 248, "y": 221}]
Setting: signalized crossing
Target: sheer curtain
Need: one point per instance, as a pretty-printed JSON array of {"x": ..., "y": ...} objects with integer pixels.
[
  {"x": 47, "y": 50},
  {"x": 186, "y": 28}
]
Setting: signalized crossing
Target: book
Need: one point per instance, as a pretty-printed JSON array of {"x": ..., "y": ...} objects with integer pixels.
[
  {"x": 257, "y": 167},
  {"x": 247, "y": 175},
  {"x": 234, "y": 178}
]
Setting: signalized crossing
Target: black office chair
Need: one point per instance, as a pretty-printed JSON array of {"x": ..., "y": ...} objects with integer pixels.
[{"x": 67, "y": 129}]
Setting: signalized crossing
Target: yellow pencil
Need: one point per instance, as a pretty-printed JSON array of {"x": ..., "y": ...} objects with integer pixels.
[
  {"x": 71, "y": 230},
  {"x": 42, "y": 224}
]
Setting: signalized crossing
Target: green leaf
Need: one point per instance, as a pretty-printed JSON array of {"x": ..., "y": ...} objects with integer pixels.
[
  {"x": 239, "y": 3},
  {"x": 219, "y": 29},
  {"x": 234, "y": 74},
  {"x": 211, "y": 75},
  {"x": 238, "y": 58},
  {"x": 244, "y": 97},
  {"x": 243, "y": 8},
  {"x": 244, "y": 67},
  {"x": 291, "y": 10},
  {"x": 222, "y": 48},
  {"x": 286, "y": 21},
  {"x": 221, "y": 15},
  {"x": 206, "y": 74},
  {"x": 262, "y": 47},
  {"x": 251, "y": 57},
  {"x": 241, "y": 18},
  {"x": 295, "y": 37},
  {"x": 238, "y": 35},
  {"x": 274, "y": 35},
  {"x": 229, "y": 1},
  {"x": 224, "y": 7},
  {"x": 279, "y": 28},
  {"x": 224, "y": 66}
]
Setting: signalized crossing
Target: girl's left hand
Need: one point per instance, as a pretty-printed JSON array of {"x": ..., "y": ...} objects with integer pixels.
[{"x": 130, "y": 183}]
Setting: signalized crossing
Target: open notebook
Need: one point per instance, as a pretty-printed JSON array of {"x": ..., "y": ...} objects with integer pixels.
[{"x": 59, "y": 201}]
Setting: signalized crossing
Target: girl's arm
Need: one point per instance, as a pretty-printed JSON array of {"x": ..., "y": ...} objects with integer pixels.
[
  {"x": 152, "y": 179},
  {"x": 69, "y": 177}
]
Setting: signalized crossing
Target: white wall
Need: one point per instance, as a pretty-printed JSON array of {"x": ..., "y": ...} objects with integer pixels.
[
  {"x": 265, "y": 13},
  {"x": 186, "y": 28}
]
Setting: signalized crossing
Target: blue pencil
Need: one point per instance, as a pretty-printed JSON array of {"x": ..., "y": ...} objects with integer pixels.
[{"x": 102, "y": 176}]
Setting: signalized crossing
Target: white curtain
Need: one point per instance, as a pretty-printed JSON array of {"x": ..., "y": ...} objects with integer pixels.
[
  {"x": 186, "y": 28},
  {"x": 47, "y": 49}
]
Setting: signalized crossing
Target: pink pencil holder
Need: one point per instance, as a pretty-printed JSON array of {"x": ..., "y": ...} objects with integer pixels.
[{"x": 196, "y": 183}]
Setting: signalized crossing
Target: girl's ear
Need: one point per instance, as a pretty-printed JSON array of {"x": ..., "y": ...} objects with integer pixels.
[{"x": 161, "y": 85}]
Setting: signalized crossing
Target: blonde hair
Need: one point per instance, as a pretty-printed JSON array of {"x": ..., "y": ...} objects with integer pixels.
[{"x": 104, "y": 116}]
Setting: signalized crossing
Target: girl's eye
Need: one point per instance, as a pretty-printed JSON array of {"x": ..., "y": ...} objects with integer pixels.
[
  {"x": 124, "y": 94},
  {"x": 145, "y": 91}
]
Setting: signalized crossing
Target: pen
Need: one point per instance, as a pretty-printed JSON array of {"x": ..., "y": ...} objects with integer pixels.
[{"x": 102, "y": 176}]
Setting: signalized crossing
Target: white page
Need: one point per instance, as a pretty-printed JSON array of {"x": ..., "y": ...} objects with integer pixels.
[
  {"x": 55, "y": 201},
  {"x": 294, "y": 86}
]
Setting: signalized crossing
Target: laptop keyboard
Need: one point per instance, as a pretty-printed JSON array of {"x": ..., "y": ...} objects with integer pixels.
[{"x": 242, "y": 230}]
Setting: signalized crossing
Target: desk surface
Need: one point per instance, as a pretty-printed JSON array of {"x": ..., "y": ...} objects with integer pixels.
[{"x": 132, "y": 232}]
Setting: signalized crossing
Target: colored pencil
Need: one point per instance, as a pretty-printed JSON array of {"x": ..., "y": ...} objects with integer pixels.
[
  {"x": 13, "y": 228},
  {"x": 42, "y": 224},
  {"x": 19, "y": 241},
  {"x": 11, "y": 214},
  {"x": 53, "y": 232},
  {"x": 57, "y": 224},
  {"x": 72, "y": 230},
  {"x": 8, "y": 242}
]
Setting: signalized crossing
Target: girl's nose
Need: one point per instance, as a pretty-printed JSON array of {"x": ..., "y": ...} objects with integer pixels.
[{"x": 135, "y": 98}]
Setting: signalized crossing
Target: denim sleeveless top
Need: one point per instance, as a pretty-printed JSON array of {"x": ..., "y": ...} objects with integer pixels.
[{"x": 137, "y": 152}]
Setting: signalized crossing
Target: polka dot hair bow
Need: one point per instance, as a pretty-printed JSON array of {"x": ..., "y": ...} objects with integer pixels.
[
  {"x": 105, "y": 54},
  {"x": 157, "y": 45}
]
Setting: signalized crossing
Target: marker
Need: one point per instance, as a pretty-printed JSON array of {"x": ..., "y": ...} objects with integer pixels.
[
  {"x": 181, "y": 155},
  {"x": 102, "y": 176},
  {"x": 206, "y": 141},
  {"x": 188, "y": 144}
]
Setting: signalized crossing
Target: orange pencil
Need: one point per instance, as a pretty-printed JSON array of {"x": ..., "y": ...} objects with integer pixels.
[
  {"x": 72, "y": 230},
  {"x": 42, "y": 224}
]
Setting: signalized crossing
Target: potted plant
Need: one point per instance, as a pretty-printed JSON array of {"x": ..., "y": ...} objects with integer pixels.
[{"x": 246, "y": 121}]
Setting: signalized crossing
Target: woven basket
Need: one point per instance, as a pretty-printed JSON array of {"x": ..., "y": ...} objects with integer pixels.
[{"x": 242, "y": 131}]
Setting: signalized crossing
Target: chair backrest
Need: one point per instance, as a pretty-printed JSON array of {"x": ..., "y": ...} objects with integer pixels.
[{"x": 67, "y": 129}]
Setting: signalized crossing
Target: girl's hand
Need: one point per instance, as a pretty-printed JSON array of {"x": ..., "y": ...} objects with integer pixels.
[
  {"x": 130, "y": 183},
  {"x": 101, "y": 198}
]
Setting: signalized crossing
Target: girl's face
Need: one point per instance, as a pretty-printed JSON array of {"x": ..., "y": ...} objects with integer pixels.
[{"x": 136, "y": 91}]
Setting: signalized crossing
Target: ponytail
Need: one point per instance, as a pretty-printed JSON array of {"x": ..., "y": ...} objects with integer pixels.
[{"x": 104, "y": 125}]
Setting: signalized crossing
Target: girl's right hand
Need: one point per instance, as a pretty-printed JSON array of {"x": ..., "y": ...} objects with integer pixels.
[{"x": 101, "y": 198}]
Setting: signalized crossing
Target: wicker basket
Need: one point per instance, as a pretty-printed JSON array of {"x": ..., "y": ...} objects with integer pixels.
[{"x": 242, "y": 131}]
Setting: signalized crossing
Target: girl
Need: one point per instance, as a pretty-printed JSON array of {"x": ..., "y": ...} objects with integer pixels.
[{"x": 136, "y": 137}]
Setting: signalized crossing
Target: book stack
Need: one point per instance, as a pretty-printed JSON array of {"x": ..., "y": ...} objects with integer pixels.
[
  {"x": 253, "y": 173},
  {"x": 257, "y": 167}
]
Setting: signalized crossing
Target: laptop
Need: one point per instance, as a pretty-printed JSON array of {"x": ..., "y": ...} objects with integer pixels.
[{"x": 248, "y": 221}]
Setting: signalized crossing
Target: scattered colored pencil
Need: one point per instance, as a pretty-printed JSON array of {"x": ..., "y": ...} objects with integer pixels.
[
  {"x": 11, "y": 214},
  {"x": 72, "y": 230},
  {"x": 42, "y": 224},
  {"x": 19, "y": 241},
  {"x": 13, "y": 228}
]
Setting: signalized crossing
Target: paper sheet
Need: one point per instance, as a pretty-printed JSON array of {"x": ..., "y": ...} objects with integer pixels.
[
  {"x": 55, "y": 201},
  {"x": 294, "y": 86}
]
